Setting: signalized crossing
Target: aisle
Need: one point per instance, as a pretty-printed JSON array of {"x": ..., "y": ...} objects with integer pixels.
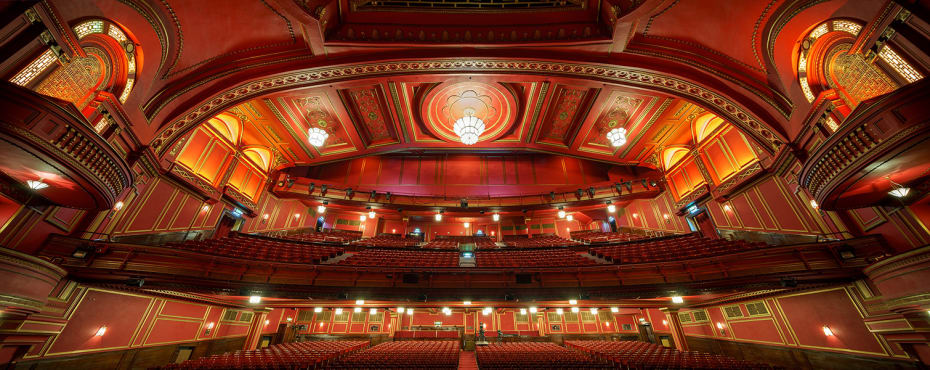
[{"x": 467, "y": 360}]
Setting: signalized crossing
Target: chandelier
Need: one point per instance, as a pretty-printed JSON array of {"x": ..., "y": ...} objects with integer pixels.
[
  {"x": 316, "y": 136},
  {"x": 468, "y": 128},
  {"x": 617, "y": 136}
]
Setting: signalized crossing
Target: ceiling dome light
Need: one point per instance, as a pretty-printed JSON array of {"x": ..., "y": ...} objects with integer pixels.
[
  {"x": 36, "y": 184},
  {"x": 316, "y": 136},
  {"x": 361, "y": 218},
  {"x": 320, "y": 209},
  {"x": 467, "y": 225},
  {"x": 617, "y": 136},
  {"x": 900, "y": 192},
  {"x": 468, "y": 128},
  {"x": 569, "y": 217},
  {"x": 371, "y": 214},
  {"x": 496, "y": 217},
  {"x": 561, "y": 213},
  {"x": 611, "y": 208},
  {"x": 438, "y": 217}
]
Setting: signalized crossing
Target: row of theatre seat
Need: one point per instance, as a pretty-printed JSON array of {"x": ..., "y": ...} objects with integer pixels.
[
  {"x": 532, "y": 258},
  {"x": 671, "y": 249},
  {"x": 533, "y": 356},
  {"x": 538, "y": 241},
  {"x": 403, "y": 355},
  {"x": 592, "y": 236},
  {"x": 302, "y": 355},
  {"x": 648, "y": 356},
  {"x": 388, "y": 241},
  {"x": 402, "y": 258},
  {"x": 330, "y": 236},
  {"x": 241, "y": 246},
  {"x": 644, "y": 251}
]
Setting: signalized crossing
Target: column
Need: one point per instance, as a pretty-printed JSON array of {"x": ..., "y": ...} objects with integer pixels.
[
  {"x": 678, "y": 333},
  {"x": 255, "y": 328}
]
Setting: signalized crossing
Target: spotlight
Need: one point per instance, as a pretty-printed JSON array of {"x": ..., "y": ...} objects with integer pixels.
[
  {"x": 290, "y": 182},
  {"x": 629, "y": 186},
  {"x": 619, "y": 189},
  {"x": 323, "y": 189},
  {"x": 310, "y": 188},
  {"x": 653, "y": 183},
  {"x": 591, "y": 192},
  {"x": 374, "y": 194},
  {"x": 464, "y": 203},
  {"x": 349, "y": 193},
  {"x": 645, "y": 184},
  {"x": 552, "y": 196},
  {"x": 579, "y": 193},
  {"x": 387, "y": 196}
]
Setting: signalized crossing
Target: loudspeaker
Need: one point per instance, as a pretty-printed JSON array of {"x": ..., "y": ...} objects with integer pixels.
[
  {"x": 524, "y": 278},
  {"x": 411, "y": 278}
]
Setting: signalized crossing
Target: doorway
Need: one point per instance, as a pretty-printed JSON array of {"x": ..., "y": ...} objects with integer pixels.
[
  {"x": 612, "y": 222},
  {"x": 184, "y": 354},
  {"x": 319, "y": 224},
  {"x": 705, "y": 225},
  {"x": 228, "y": 223}
]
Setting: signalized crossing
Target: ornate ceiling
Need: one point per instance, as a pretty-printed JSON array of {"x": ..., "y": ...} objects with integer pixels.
[{"x": 389, "y": 77}]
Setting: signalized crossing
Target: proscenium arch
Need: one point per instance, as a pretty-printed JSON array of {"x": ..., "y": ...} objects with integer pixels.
[{"x": 764, "y": 134}]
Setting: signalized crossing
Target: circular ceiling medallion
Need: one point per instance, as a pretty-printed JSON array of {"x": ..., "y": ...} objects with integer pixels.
[{"x": 492, "y": 104}]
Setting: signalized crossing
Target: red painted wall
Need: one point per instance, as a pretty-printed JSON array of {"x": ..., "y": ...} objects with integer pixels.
[{"x": 132, "y": 320}]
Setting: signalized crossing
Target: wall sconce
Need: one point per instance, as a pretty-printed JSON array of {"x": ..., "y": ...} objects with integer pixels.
[
  {"x": 267, "y": 322},
  {"x": 722, "y": 328},
  {"x": 665, "y": 322},
  {"x": 209, "y": 328},
  {"x": 265, "y": 218},
  {"x": 204, "y": 208},
  {"x": 101, "y": 331},
  {"x": 814, "y": 204},
  {"x": 118, "y": 206},
  {"x": 827, "y": 331},
  {"x": 665, "y": 216},
  {"x": 726, "y": 207}
]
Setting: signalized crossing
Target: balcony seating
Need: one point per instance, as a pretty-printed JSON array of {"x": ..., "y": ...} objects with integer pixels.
[
  {"x": 300, "y": 355},
  {"x": 444, "y": 244},
  {"x": 532, "y": 258},
  {"x": 388, "y": 241},
  {"x": 592, "y": 236},
  {"x": 402, "y": 258},
  {"x": 328, "y": 235},
  {"x": 539, "y": 241},
  {"x": 671, "y": 249},
  {"x": 642, "y": 355},
  {"x": 534, "y": 355},
  {"x": 242, "y": 246},
  {"x": 403, "y": 355}
]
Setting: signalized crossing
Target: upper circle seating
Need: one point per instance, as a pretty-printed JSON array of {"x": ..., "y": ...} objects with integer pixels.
[{"x": 643, "y": 355}]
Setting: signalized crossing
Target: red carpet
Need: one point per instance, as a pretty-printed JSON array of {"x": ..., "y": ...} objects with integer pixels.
[{"x": 467, "y": 360}]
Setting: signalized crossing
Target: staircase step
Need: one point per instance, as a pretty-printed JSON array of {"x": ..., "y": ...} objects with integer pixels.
[{"x": 467, "y": 360}]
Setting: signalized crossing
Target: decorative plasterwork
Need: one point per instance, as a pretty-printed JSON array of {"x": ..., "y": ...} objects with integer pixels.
[{"x": 722, "y": 105}]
